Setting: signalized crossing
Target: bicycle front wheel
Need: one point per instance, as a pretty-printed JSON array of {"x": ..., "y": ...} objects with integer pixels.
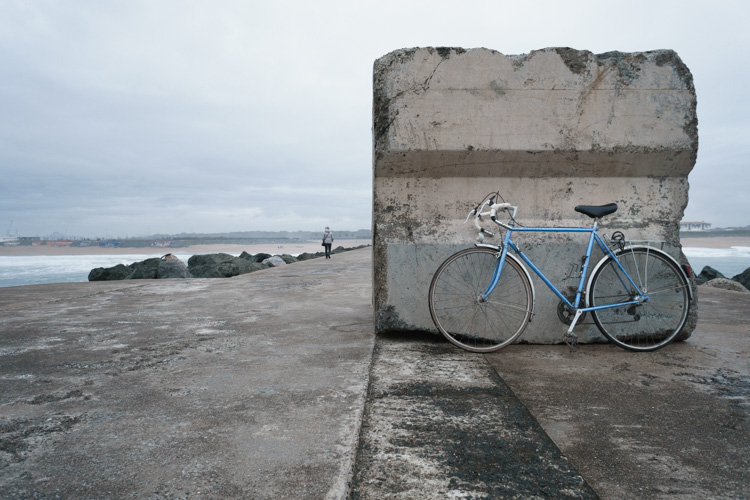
[
  {"x": 645, "y": 326},
  {"x": 462, "y": 313}
]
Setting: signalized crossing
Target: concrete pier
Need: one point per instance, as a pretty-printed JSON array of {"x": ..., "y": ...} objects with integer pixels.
[
  {"x": 549, "y": 130},
  {"x": 245, "y": 387},
  {"x": 273, "y": 385}
]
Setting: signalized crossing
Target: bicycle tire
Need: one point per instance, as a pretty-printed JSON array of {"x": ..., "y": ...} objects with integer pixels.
[
  {"x": 643, "y": 327},
  {"x": 463, "y": 317}
]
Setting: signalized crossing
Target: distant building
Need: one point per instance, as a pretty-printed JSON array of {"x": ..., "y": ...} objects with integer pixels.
[{"x": 695, "y": 226}]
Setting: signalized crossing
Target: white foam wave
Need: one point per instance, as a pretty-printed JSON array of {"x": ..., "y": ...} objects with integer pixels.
[
  {"x": 38, "y": 269},
  {"x": 717, "y": 252},
  {"x": 728, "y": 261}
]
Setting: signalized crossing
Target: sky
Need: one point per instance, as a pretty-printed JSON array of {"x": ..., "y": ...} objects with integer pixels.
[{"x": 135, "y": 117}]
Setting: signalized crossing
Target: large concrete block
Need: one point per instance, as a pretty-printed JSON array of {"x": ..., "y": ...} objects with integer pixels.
[{"x": 550, "y": 130}]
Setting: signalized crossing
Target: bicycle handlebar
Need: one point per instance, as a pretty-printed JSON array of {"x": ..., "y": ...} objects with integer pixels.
[{"x": 494, "y": 209}]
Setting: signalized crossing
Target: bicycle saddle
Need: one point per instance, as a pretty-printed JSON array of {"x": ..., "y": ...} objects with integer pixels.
[{"x": 596, "y": 211}]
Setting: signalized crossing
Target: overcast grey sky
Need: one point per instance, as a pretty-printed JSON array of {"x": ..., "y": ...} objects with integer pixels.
[{"x": 133, "y": 117}]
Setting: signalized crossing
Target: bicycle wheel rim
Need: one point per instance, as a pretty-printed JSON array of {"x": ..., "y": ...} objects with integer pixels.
[
  {"x": 642, "y": 327},
  {"x": 474, "y": 324}
]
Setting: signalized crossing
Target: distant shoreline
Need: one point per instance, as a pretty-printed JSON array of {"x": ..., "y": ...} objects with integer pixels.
[
  {"x": 274, "y": 249},
  {"x": 715, "y": 241}
]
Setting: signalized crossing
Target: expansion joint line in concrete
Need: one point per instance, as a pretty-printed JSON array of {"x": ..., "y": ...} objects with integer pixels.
[{"x": 342, "y": 487}]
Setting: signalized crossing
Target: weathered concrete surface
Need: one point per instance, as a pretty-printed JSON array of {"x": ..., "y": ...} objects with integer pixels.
[
  {"x": 246, "y": 387},
  {"x": 254, "y": 387},
  {"x": 440, "y": 423},
  {"x": 550, "y": 130},
  {"x": 674, "y": 423}
]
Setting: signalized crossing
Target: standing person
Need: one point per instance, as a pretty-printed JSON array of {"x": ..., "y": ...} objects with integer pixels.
[{"x": 328, "y": 241}]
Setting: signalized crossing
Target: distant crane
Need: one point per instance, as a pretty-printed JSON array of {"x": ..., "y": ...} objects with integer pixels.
[{"x": 10, "y": 226}]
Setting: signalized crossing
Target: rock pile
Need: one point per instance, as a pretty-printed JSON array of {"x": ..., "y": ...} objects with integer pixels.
[
  {"x": 172, "y": 267},
  {"x": 726, "y": 284},
  {"x": 711, "y": 277},
  {"x": 214, "y": 265}
]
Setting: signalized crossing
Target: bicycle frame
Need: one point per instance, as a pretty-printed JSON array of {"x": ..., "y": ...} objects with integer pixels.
[
  {"x": 481, "y": 306},
  {"x": 508, "y": 243}
]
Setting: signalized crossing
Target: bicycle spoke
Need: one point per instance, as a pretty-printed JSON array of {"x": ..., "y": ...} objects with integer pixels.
[
  {"x": 647, "y": 325},
  {"x": 520, "y": 308},
  {"x": 461, "y": 313}
]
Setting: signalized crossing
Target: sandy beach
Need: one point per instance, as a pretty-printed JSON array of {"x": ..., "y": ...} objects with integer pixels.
[{"x": 274, "y": 249}]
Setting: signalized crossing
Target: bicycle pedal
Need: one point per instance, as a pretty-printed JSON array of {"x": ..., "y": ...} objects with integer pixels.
[{"x": 571, "y": 339}]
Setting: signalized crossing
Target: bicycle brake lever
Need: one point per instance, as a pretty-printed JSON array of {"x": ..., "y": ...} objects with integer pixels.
[{"x": 469, "y": 216}]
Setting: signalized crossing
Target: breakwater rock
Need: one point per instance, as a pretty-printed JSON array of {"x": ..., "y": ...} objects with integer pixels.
[
  {"x": 164, "y": 267},
  {"x": 172, "y": 267},
  {"x": 711, "y": 277},
  {"x": 214, "y": 265},
  {"x": 726, "y": 284}
]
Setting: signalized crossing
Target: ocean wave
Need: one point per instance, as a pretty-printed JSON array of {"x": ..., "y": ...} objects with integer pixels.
[
  {"x": 19, "y": 270},
  {"x": 39, "y": 269},
  {"x": 717, "y": 252},
  {"x": 728, "y": 261}
]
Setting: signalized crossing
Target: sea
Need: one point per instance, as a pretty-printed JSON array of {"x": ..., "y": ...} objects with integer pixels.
[
  {"x": 41, "y": 269},
  {"x": 728, "y": 261}
]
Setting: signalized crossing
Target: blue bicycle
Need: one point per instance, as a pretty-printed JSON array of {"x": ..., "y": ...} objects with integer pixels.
[{"x": 482, "y": 298}]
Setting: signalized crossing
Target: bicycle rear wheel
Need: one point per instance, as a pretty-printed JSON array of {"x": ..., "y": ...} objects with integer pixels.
[
  {"x": 467, "y": 319},
  {"x": 646, "y": 326}
]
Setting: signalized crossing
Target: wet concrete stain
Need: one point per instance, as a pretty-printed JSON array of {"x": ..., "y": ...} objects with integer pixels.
[{"x": 440, "y": 423}]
